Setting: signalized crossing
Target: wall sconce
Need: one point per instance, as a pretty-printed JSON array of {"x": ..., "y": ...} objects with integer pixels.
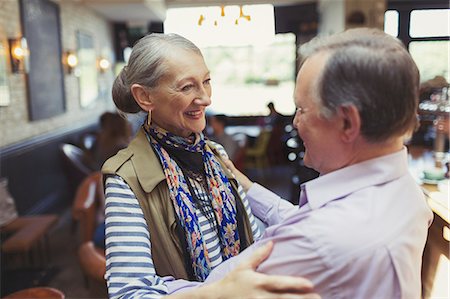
[
  {"x": 200, "y": 20},
  {"x": 103, "y": 64},
  {"x": 70, "y": 61},
  {"x": 18, "y": 50}
]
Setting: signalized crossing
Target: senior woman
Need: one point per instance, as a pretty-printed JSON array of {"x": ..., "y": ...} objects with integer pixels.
[{"x": 172, "y": 209}]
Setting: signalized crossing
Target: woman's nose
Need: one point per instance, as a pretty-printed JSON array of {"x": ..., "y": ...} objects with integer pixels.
[{"x": 203, "y": 97}]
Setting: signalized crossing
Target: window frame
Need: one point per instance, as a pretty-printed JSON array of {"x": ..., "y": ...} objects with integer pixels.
[{"x": 404, "y": 9}]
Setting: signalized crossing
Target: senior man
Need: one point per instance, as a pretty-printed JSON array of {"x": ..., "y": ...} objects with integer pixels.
[{"x": 361, "y": 226}]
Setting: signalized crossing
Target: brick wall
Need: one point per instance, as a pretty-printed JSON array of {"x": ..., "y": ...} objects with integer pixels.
[{"x": 14, "y": 123}]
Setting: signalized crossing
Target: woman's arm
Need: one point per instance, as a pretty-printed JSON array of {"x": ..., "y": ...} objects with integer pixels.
[
  {"x": 130, "y": 272},
  {"x": 245, "y": 282},
  {"x": 266, "y": 205}
]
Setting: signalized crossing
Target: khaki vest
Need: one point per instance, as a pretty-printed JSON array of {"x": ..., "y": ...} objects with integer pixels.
[{"x": 140, "y": 168}]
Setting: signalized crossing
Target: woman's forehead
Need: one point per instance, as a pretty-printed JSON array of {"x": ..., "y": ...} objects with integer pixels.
[{"x": 185, "y": 64}]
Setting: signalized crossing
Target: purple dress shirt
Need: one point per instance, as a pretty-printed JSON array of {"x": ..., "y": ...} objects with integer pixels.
[{"x": 360, "y": 233}]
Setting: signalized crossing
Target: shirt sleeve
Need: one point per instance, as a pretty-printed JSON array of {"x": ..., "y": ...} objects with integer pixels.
[
  {"x": 130, "y": 272},
  {"x": 293, "y": 253},
  {"x": 268, "y": 206},
  {"x": 256, "y": 227}
]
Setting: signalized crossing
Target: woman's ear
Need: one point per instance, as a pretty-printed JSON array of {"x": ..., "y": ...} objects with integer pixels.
[
  {"x": 351, "y": 122},
  {"x": 142, "y": 97}
]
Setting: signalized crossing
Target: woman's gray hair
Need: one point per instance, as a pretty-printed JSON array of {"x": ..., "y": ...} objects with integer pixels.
[
  {"x": 372, "y": 71},
  {"x": 146, "y": 67}
]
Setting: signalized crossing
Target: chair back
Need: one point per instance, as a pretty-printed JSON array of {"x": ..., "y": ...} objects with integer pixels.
[
  {"x": 37, "y": 293},
  {"x": 261, "y": 143},
  {"x": 75, "y": 164},
  {"x": 88, "y": 205}
]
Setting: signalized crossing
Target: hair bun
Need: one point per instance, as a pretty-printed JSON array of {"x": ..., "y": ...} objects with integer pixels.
[{"x": 121, "y": 93}]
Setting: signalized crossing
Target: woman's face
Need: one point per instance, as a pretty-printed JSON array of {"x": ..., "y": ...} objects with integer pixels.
[{"x": 182, "y": 94}]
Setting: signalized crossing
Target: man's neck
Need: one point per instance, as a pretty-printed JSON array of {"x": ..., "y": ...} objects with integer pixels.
[{"x": 363, "y": 150}]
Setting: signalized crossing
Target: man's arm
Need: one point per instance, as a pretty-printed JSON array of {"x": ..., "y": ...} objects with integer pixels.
[
  {"x": 245, "y": 282},
  {"x": 266, "y": 205}
]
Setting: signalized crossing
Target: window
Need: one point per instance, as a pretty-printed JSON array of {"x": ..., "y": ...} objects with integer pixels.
[
  {"x": 391, "y": 22},
  {"x": 431, "y": 58},
  {"x": 245, "y": 79},
  {"x": 423, "y": 26},
  {"x": 429, "y": 23},
  {"x": 87, "y": 69},
  {"x": 4, "y": 87},
  {"x": 250, "y": 65}
]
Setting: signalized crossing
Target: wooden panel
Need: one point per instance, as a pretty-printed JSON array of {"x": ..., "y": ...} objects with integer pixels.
[
  {"x": 35, "y": 171},
  {"x": 41, "y": 27}
]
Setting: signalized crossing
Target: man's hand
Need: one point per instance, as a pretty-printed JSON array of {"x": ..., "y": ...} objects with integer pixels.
[{"x": 245, "y": 282}]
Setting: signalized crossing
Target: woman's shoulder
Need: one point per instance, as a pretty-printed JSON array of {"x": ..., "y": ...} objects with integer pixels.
[
  {"x": 217, "y": 149},
  {"x": 112, "y": 164}
]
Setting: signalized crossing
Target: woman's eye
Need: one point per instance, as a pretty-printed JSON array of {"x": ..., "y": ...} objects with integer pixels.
[
  {"x": 207, "y": 82},
  {"x": 187, "y": 87}
]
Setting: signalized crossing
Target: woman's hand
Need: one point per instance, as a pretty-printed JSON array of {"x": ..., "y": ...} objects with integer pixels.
[
  {"x": 245, "y": 282},
  {"x": 240, "y": 177}
]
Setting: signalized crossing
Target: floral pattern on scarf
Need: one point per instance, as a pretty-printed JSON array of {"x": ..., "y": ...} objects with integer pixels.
[{"x": 221, "y": 196}]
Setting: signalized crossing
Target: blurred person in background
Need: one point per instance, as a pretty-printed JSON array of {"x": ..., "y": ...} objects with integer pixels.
[
  {"x": 114, "y": 134},
  {"x": 274, "y": 118},
  {"x": 218, "y": 123}
]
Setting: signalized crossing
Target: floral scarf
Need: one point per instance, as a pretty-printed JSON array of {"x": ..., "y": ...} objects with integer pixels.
[{"x": 221, "y": 196}]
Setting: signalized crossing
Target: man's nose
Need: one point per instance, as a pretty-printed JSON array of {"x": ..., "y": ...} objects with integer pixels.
[{"x": 295, "y": 121}]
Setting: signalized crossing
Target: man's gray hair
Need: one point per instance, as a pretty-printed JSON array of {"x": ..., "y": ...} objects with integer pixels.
[{"x": 372, "y": 71}]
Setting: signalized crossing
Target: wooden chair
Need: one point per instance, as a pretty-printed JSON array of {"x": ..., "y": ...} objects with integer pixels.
[
  {"x": 27, "y": 233},
  {"x": 75, "y": 163},
  {"x": 37, "y": 293},
  {"x": 88, "y": 203}
]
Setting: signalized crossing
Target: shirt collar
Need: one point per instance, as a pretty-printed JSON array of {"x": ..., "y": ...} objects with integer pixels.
[{"x": 342, "y": 182}]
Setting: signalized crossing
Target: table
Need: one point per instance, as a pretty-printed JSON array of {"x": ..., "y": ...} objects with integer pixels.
[
  {"x": 437, "y": 198},
  {"x": 25, "y": 232},
  {"x": 438, "y": 241}
]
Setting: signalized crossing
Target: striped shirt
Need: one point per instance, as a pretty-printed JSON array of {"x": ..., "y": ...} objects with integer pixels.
[{"x": 130, "y": 272}]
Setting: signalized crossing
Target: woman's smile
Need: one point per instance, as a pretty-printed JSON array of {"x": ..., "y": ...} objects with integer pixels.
[{"x": 196, "y": 114}]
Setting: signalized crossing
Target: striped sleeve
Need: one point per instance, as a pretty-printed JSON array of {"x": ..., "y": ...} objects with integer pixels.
[
  {"x": 130, "y": 272},
  {"x": 256, "y": 229}
]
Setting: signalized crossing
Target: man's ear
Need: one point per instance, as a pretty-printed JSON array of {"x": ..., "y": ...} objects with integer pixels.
[
  {"x": 351, "y": 122},
  {"x": 142, "y": 97}
]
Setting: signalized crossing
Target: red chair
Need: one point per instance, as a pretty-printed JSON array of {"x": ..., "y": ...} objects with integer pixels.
[
  {"x": 37, "y": 293},
  {"x": 88, "y": 211}
]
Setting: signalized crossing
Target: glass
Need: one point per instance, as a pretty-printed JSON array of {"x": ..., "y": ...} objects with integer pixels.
[
  {"x": 429, "y": 23},
  {"x": 391, "y": 22},
  {"x": 431, "y": 58}
]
